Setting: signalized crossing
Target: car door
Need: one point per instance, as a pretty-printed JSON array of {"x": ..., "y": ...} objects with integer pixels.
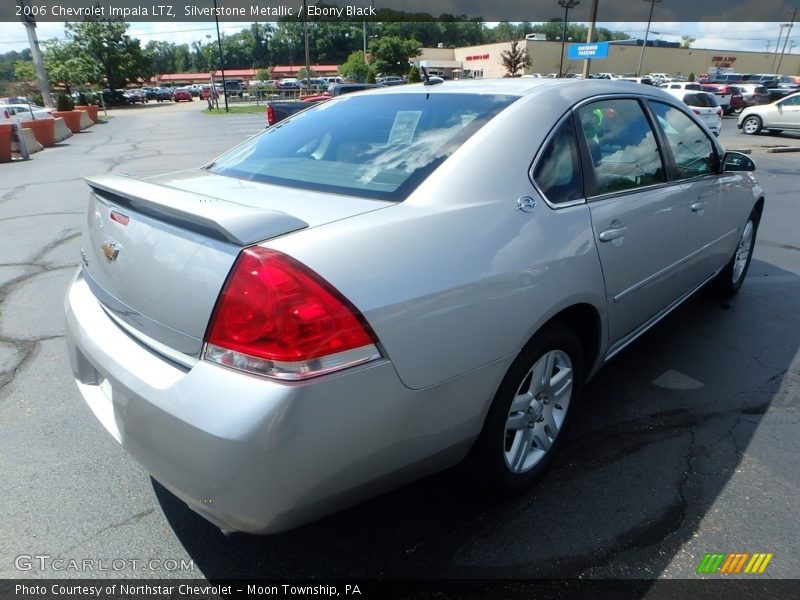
[
  {"x": 639, "y": 219},
  {"x": 786, "y": 113},
  {"x": 711, "y": 229}
]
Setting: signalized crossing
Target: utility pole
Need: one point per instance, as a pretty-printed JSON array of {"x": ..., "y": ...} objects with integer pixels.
[
  {"x": 36, "y": 55},
  {"x": 587, "y": 64},
  {"x": 788, "y": 32},
  {"x": 646, "y": 35}
]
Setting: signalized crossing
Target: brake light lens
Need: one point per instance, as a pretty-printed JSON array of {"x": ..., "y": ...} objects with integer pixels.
[
  {"x": 270, "y": 115},
  {"x": 276, "y": 317}
]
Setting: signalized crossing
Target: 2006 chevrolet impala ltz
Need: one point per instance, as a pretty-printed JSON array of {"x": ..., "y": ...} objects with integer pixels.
[{"x": 392, "y": 282}]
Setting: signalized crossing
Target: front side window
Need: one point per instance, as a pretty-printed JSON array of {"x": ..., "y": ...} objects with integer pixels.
[
  {"x": 693, "y": 152},
  {"x": 558, "y": 172},
  {"x": 622, "y": 146},
  {"x": 379, "y": 146}
]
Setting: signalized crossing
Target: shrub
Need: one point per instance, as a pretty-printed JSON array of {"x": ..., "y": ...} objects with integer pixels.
[
  {"x": 413, "y": 75},
  {"x": 82, "y": 99},
  {"x": 64, "y": 102}
]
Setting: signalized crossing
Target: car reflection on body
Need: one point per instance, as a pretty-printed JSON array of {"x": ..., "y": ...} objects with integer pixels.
[{"x": 392, "y": 282}]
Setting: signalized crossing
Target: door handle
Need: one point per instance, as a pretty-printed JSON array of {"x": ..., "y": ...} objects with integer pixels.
[
  {"x": 698, "y": 206},
  {"x": 611, "y": 234}
]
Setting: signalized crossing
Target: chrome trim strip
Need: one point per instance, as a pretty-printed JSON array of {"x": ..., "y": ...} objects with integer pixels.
[
  {"x": 177, "y": 357},
  {"x": 668, "y": 268},
  {"x": 290, "y": 371},
  {"x": 149, "y": 332},
  {"x": 631, "y": 337}
]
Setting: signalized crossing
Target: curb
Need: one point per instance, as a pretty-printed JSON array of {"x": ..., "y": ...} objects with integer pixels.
[{"x": 784, "y": 149}]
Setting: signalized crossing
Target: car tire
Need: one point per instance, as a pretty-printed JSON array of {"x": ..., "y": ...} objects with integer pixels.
[
  {"x": 752, "y": 125},
  {"x": 527, "y": 422},
  {"x": 730, "y": 279}
]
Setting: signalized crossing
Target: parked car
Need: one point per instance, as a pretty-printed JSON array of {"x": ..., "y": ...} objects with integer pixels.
[
  {"x": 729, "y": 97},
  {"x": 25, "y": 111},
  {"x": 681, "y": 85},
  {"x": 278, "y": 110},
  {"x": 283, "y": 351},
  {"x": 775, "y": 117},
  {"x": 164, "y": 93},
  {"x": 704, "y": 105},
  {"x": 181, "y": 94},
  {"x": 391, "y": 80},
  {"x": 151, "y": 93},
  {"x": 754, "y": 93},
  {"x": 136, "y": 96}
]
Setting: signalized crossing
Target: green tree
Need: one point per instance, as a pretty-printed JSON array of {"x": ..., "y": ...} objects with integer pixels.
[
  {"x": 515, "y": 59},
  {"x": 355, "y": 68},
  {"x": 264, "y": 74},
  {"x": 390, "y": 55},
  {"x": 413, "y": 75},
  {"x": 106, "y": 42},
  {"x": 68, "y": 64}
]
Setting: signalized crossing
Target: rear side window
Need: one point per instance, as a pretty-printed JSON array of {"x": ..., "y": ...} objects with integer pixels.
[
  {"x": 377, "y": 146},
  {"x": 705, "y": 100},
  {"x": 558, "y": 172},
  {"x": 622, "y": 146}
]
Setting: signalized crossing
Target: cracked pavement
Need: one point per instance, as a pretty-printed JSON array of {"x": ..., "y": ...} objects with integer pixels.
[{"x": 685, "y": 444}]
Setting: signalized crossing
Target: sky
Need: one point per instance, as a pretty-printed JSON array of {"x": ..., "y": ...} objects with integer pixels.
[{"x": 733, "y": 36}]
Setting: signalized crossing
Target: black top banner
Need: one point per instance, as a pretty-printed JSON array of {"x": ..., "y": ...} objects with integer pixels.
[{"x": 398, "y": 10}]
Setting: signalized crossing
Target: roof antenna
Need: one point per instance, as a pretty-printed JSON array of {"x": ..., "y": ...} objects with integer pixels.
[{"x": 425, "y": 79}]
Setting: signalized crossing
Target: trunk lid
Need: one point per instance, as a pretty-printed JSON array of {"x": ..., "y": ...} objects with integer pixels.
[{"x": 157, "y": 252}]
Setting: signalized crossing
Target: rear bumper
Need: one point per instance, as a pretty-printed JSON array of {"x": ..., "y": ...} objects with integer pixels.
[{"x": 253, "y": 455}]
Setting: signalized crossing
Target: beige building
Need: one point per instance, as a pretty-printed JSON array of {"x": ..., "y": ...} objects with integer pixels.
[{"x": 485, "y": 61}]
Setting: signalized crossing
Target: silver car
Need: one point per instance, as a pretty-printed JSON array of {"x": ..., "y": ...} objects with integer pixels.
[{"x": 392, "y": 282}]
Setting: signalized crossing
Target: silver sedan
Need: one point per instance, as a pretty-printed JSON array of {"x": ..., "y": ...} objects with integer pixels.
[{"x": 393, "y": 282}]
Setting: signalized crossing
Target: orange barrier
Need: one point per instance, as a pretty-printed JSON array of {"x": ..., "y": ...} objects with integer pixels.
[
  {"x": 44, "y": 130},
  {"x": 71, "y": 117},
  {"x": 91, "y": 109},
  {"x": 5, "y": 141}
]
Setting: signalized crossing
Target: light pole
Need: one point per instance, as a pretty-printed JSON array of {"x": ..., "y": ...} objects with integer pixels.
[
  {"x": 36, "y": 55},
  {"x": 788, "y": 32},
  {"x": 646, "y": 35},
  {"x": 566, "y": 5},
  {"x": 221, "y": 59}
]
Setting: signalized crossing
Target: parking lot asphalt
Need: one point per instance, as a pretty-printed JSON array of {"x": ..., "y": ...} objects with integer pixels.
[{"x": 685, "y": 444}]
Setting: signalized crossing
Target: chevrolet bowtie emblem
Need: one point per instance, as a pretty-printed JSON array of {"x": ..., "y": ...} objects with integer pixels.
[{"x": 110, "y": 251}]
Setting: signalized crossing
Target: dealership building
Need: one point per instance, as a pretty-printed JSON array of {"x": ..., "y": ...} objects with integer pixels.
[{"x": 623, "y": 57}]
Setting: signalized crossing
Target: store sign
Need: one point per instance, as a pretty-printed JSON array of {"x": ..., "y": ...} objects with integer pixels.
[{"x": 581, "y": 51}]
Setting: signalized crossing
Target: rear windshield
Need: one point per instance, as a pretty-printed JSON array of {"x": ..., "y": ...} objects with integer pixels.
[
  {"x": 377, "y": 146},
  {"x": 700, "y": 100}
]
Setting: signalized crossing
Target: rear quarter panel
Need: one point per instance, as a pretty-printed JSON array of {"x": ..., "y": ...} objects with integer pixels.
[{"x": 456, "y": 276}]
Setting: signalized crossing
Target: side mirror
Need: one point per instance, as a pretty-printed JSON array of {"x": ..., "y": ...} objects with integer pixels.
[{"x": 736, "y": 161}]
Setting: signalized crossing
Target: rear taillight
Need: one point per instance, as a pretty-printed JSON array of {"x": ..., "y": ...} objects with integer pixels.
[
  {"x": 276, "y": 317},
  {"x": 270, "y": 115}
]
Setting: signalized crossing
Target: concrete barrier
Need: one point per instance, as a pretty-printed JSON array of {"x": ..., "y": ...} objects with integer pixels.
[
  {"x": 30, "y": 141},
  {"x": 86, "y": 120},
  {"x": 62, "y": 131}
]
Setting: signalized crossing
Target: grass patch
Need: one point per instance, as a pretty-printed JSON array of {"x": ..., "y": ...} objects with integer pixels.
[{"x": 250, "y": 109}]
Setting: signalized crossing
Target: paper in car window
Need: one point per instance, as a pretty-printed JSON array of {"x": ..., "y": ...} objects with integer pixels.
[{"x": 404, "y": 126}]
